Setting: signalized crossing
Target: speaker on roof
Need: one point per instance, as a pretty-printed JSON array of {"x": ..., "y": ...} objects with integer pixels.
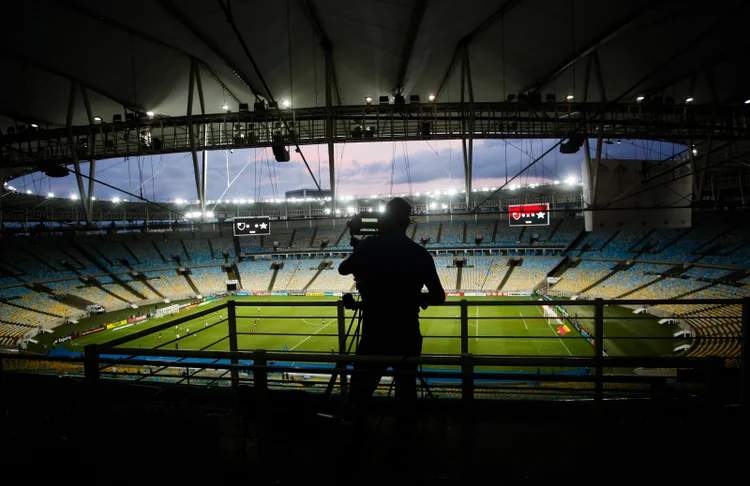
[{"x": 279, "y": 150}]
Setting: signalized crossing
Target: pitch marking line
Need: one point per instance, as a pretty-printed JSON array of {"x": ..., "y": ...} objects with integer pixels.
[
  {"x": 524, "y": 321},
  {"x": 313, "y": 334},
  {"x": 555, "y": 333}
]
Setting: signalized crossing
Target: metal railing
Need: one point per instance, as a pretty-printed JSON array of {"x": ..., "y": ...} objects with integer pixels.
[
  {"x": 372, "y": 123},
  {"x": 470, "y": 376}
]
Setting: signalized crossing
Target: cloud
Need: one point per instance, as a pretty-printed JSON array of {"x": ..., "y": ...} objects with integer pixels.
[{"x": 361, "y": 169}]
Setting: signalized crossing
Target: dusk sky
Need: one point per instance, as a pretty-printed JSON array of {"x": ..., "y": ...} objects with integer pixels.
[{"x": 362, "y": 169}]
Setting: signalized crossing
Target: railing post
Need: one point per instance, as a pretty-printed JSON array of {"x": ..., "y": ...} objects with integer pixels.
[
  {"x": 260, "y": 388},
  {"x": 232, "y": 327},
  {"x": 598, "y": 349},
  {"x": 744, "y": 354},
  {"x": 341, "y": 319},
  {"x": 91, "y": 363},
  {"x": 464, "y": 326},
  {"x": 467, "y": 400}
]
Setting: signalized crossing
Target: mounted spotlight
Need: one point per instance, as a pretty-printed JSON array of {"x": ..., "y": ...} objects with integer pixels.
[
  {"x": 150, "y": 114},
  {"x": 98, "y": 119},
  {"x": 640, "y": 98},
  {"x": 225, "y": 107},
  {"x": 286, "y": 104},
  {"x": 689, "y": 100},
  {"x": 569, "y": 97},
  {"x": 431, "y": 97},
  {"x": 368, "y": 100}
]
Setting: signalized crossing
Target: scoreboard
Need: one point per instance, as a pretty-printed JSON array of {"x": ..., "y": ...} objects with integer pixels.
[
  {"x": 255, "y": 226},
  {"x": 529, "y": 214}
]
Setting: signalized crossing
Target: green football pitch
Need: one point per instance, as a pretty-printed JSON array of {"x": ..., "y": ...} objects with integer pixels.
[{"x": 501, "y": 330}]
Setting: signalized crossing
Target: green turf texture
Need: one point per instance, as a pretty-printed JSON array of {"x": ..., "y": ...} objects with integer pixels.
[{"x": 523, "y": 332}]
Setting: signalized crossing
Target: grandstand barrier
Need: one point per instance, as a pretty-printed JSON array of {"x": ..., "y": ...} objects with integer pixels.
[{"x": 667, "y": 321}]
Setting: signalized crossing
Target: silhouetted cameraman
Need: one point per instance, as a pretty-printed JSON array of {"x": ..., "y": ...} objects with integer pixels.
[{"x": 390, "y": 271}]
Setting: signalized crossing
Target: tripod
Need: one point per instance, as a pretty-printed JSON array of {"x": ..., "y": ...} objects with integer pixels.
[{"x": 351, "y": 304}]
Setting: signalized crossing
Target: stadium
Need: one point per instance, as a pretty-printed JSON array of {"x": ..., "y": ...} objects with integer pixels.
[{"x": 179, "y": 185}]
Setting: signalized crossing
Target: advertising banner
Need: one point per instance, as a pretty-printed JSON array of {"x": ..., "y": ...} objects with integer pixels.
[
  {"x": 315, "y": 294},
  {"x": 261, "y": 294},
  {"x": 338, "y": 294},
  {"x": 62, "y": 339},
  {"x": 280, "y": 294},
  {"x": 454, "y": 294},
  {"x": 328, "y": 294},
  {"x": 137, "y": 319},
  {"x": 243, "y": 294},
  {"x": 298, "y": 293},
  {"x": 92, "y": 331}
]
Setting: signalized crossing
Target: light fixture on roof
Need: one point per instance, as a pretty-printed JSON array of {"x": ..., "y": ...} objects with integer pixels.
[
  {"x": 285, "y": 103},
  {"x": 93, "y": 198},
  {"x": 34, "y": 125},
  {"x": 28, "y": 191},
  {"x": 73, "y": 197},
  {"x": 431, "y": 97},
  {"x": 695, "y": 151},
  {"x": 381, "y": 208},
  {"x": 747, "y": 102},
  {"x": 689, "y": 100},
  {"x": 569, "y": 97},
  {"x": 640, "y": 98},
  {"x": 98, "y": 119},
  {"x": 51, "y": 194},
  {"x": 225, "y": 107},
  {"x": 150, "y": 114},
  {"x": 115, "y": 200},
  {"x": 368, "y": 100},
  {"x": 570, "y": 180}
]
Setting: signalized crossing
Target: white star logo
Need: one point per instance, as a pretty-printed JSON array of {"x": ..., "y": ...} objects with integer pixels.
[
  {"x": 540, "y": 215},
  {"x": 263, "y": 226}
]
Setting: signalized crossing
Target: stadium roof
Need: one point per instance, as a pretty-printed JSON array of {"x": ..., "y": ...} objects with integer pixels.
[{"x": 137, "y": 55}]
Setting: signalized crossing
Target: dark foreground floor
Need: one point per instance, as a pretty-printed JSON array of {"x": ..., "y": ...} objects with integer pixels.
[{"x": 63, "y": 430}]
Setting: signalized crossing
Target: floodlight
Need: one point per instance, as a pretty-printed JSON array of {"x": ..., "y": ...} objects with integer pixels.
[
  {"x": 368, "y": 99},
  {"x": 225, "y": 107},
  {"x": 50, "y": 194},
  {"x": 431, "y": 97},
  {"x": 640, "y": 98},
  {"x": 73, "y": 197},
  {"x": 570, "y": 180},
  {"x": 569, "y": 97},
  {"x": 150, "y": 114},
  {"x": 689, "y": 100},
  {"x": 285, "y": 103},
  {"x": 98, "y": 119},
  {"x": 747, "y": 102}
]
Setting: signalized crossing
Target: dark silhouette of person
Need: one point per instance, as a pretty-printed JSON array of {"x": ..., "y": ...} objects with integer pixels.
[{"x": 390, "y": 271}]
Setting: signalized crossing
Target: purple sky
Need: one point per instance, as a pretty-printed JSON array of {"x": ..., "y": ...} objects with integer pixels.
[{"x": 362, "y": 169}]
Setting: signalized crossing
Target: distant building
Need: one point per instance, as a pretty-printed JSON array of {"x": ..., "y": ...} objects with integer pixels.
[{"x": 302, "y": 193}]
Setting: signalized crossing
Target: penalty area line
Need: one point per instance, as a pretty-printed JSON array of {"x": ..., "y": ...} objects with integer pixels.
[{"x": 311, "y": 335}]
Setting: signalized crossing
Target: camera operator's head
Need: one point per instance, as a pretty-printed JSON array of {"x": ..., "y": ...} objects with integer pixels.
[{"x": 397, "y": 215}]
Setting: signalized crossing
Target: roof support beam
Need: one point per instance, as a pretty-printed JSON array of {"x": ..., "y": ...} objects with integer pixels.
[
  {"x": 74, "y": 151},
  {"x": 325, "y": 42},
  {"x": 466, "y": 40},
  {"x": 609, "y": 34},
  {"x": 415, "y": 20},
  {"x": 92, "y": 160},
  {"x": 180, "y": 16},
  {"x": 204, "y": 161},
  {"x": 191, "y": 132},
  {"x": 329, "y": 130},
  {"x": 467, "y": 123},
  {"x": 25, "y": 60}
]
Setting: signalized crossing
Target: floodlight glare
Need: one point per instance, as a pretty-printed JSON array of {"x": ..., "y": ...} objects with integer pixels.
[
  {"x": 569, "y": 97},
  {"x": 368, "y": 99},
  {"x": 640, "y": 98},
  {"x": 50, "y": 194},
  {"x": 225, "y": 107},
  {"x": 285, "y": 103},
  {"x": 689, "y": 100},
  {"x": 431, "y": 97},
  {"x": 150, "y": 114},
  {"x": 97, "y": 119},
  {"x": 747, "y": 102},
  {"x": 570, "y": 180}
]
